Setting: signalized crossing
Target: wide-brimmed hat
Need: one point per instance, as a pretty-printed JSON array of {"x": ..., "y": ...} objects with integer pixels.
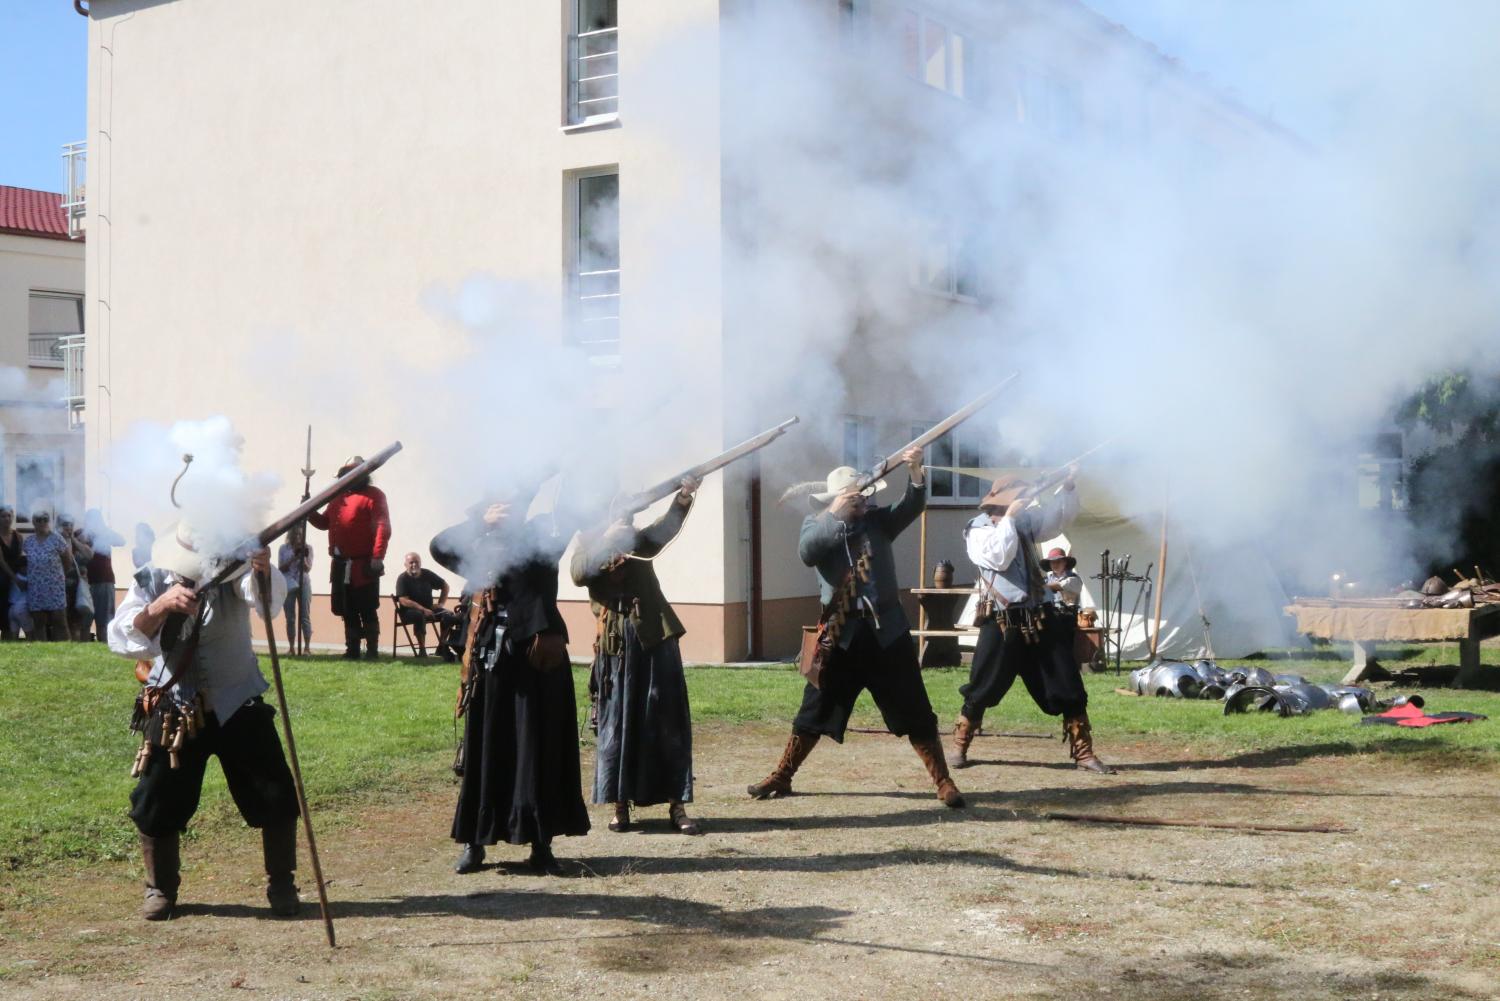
[
  {"x": 1004, "y": 492},
  {"x": 839, "y": 481},
  {"x": 177, "y": 552},
  {"x": 350, "y": 463},
  {"x": 1058, "y": 553}
]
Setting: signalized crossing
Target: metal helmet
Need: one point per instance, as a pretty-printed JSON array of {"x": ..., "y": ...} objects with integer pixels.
[
  {"x": 1255, "y": 698},
  {"x": 1305, "y": 698},
  {"x": 1260, "y": 677},
  {"x": 1213, "y": 691},
  {"x": 1364, "y": 699},
  {"x": 1210, "y": 673},
  {"x": 1290, "y": 679},
  {"x": 1351, "y": 705},
  {"x": 1140, "y": 680},
  {"x": 1175, "y": 679}
]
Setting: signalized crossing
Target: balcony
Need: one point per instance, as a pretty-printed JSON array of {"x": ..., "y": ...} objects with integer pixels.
[
  {"x": 44, "y": 350},
  {"x": 75, "y": 180},
  {"x": 594, "y": 77},
  {"x": 71, "y": 351}
]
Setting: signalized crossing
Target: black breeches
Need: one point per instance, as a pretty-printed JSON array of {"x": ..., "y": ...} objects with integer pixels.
[
  {"x": 1047, "y": 668},
  {"x": 249, "y": 752},
  {"x": 891, "y": 675}
]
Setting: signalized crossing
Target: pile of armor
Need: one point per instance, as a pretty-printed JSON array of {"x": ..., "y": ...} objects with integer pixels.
[{"x": 1254, "y": 689}]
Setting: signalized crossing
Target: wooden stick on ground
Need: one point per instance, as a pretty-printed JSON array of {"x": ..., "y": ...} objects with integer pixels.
[
  {"x": 263, "y": 581},
  {"x": 1095, "y": 818}
]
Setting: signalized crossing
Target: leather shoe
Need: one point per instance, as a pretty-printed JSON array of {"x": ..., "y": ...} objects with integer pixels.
[{"x": 472, "y": 860}]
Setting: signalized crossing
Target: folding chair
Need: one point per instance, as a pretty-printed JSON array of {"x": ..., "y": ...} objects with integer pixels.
[{"x": 398, "y": 627}]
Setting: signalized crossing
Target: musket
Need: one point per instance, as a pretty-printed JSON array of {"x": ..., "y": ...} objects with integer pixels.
[
  {"x": 931, "y": 435},
  {"x": 1059, "y": 473},
  {"x": 644, "y": 499}
]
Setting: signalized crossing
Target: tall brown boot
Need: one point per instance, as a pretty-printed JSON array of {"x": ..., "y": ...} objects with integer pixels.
[
  {"x": 1081, "y": 744},
  {"x": 963, "y": 736},
  {"x": 779, "y": 782},
  {"x": 163, "y": 876},
  {"x": 278, "y": 843},
  {"x": 930, "y": 750}
]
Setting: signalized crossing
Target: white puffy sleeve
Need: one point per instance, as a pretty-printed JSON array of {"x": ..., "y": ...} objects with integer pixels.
[
  {"x": 992, "y": 546},
  {"x": 250, "y": 591},
  {"x": 124, "y": 638}
]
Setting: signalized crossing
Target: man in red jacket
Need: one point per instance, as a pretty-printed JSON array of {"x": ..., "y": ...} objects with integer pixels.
[{"x": 359, "y": 528}]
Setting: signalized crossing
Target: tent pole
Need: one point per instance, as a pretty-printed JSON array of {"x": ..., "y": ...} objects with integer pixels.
[
  {"x": 1161, "y": 580},
  {"x": 922, "y": 583}
]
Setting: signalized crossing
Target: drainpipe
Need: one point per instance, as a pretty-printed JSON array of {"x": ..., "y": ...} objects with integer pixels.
[{"x": 80, "y": 8}]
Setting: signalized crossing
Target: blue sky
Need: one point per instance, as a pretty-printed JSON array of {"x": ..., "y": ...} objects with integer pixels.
[{"x": 43, "y": 89}]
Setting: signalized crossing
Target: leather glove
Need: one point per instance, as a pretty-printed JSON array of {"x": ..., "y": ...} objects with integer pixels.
[{"x": 377, "y": 567}]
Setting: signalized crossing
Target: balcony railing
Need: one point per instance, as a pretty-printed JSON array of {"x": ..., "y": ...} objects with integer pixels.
[
  {"x": 594, "y": 76},
  {"x": 598, "y": 312},
  {"x": 44, "y": 350},
  {"x": 75, "y": 179},
  {"x": 71, "y": 349}
]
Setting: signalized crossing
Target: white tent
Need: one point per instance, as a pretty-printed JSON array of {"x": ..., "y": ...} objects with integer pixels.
[{"x": 1233, "y": 588}]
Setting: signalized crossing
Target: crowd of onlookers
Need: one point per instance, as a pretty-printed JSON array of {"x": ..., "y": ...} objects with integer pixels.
[{"x": 57, "y": 581}]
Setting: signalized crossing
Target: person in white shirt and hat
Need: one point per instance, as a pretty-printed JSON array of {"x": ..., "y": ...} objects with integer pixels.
[
  {"x": 1025, "y": 630},
  {"x": 215, "y": 702},
  {"x": 848, "y": 539}
]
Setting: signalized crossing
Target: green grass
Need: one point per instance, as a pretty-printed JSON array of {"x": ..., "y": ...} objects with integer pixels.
[{"x": 371, "y": 731}]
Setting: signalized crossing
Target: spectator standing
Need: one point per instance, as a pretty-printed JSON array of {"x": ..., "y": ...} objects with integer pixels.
[
  {"x": 358, "y": 524},
  {"x": 415, "y": 606},
  {"x": 12, "y": 566},
  {"x": 294, "y": 560},
  {"x": 101, "y": 569},
  {"x": 48, "y": 558},
  {"x": 77, "y": 618}
]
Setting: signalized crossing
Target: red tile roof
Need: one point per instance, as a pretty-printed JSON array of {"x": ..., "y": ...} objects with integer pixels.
[{"x": 27, "y": 212}]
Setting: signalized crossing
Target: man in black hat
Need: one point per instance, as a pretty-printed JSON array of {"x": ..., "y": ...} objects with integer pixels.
[
  {"x": 848, "y": 541},
  {"x": 1024, "y": 628}
]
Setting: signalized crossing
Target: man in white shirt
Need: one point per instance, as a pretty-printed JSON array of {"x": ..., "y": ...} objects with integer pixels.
[
  {"x": 211, "y": 706},
  {"x": 1023, "y": 629}
]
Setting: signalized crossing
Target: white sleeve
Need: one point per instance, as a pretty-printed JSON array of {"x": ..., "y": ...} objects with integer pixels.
[
  {"x": 992, "y": 547},
  {"x": 1059, "y": 514},
  {"x": 124, "y": 638},
  {"x": 1072, "y": 588},
  {"x": 250, "y": 591}
]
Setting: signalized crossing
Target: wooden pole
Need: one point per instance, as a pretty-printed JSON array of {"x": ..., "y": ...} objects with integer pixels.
[
  {"x": 263, "y": 580},
  {"x": 1161, "y": 580}
]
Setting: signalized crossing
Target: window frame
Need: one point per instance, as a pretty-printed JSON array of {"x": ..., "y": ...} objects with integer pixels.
[
  {"x": 958, "y": 442},
  {"x": 958, "y": 84},
  {"x": 574, "y": 117},
  {"x": 55, "y": 360},
  {"x": 59, "y": 481},
  {"x": 573, "y": 262}
]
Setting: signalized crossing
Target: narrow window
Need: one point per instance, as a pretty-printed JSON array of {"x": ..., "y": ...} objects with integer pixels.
[
  {"x": 39, "y": 482},
  {"x": 594, "y": 62},
  {"x": 859, "y": 442},
  {"x": 596, "y": 262}
]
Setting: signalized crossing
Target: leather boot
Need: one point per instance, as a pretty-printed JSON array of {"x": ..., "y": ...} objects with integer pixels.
[
  {"x": 930, "y": 750},
  {"x": 163, "y": 875},
  {"x": 351, "y": 637},
  {"x": 1081, "y": 744},
  {"x": 470, "y": 860},
  {"x": 963, "y": 736},
  {"x": 779, "y": 782},
  {"x": 678, "y": 814},
  {"x": 372, "y": 638},
  {"x": 278, "y": 843}
]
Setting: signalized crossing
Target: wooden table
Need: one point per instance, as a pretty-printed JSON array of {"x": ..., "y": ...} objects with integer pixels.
[
  {"x": 1365, "y": 625},
  {"x": 938, "y": 637}
]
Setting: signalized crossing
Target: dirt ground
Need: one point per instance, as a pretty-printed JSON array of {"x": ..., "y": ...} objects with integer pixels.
[{"x": 862, "y": 886}]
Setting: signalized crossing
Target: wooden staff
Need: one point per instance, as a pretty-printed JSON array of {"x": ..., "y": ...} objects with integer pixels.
[
  {"x": 1095, "y": 818},
  {"x": 1161, "y": 579},
  {"x": 263, "y": 581}
]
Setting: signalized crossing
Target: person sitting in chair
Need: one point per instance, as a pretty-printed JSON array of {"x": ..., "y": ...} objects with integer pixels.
[{"x": 415, "y": 605}]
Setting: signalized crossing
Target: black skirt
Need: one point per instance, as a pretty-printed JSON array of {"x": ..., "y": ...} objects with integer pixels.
[
  {"x": 521, "y": 782},
  {"x": 645, "y": 747}
]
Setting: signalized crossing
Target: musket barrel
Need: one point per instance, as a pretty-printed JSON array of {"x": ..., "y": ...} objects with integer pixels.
[
  {"x": 935, "y": 432},
  {"x": 649, "y": 496}
]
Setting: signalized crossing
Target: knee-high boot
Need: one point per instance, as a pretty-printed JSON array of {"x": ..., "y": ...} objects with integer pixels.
[
  {"x": 930, "y": 750},
  {"x": 963, "y": 736},
  {"x": 779, "y": 782},
  {"x": 1081, "y": 744},
  {"x": 163, "y": 875},
  {"x": 278, "y": 844}
]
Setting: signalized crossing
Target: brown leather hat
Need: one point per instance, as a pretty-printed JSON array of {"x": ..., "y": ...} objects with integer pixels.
[{"x": 1003, "y": 492}]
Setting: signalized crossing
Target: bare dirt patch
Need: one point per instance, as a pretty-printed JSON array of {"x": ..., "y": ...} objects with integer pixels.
[{"x": 864, "y": 886}]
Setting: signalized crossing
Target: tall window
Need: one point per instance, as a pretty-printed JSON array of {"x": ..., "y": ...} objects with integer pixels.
[
  {"x": 39, "y": 481},
  {"x": 934, "y": 53},
  {"x": 959, "y": 448},
  {"x": 53, "y": 316},
  {"x": 596, "y": 261},
  {"x": 859, "y": 442},
  {"x": 594, "y": 62}
]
